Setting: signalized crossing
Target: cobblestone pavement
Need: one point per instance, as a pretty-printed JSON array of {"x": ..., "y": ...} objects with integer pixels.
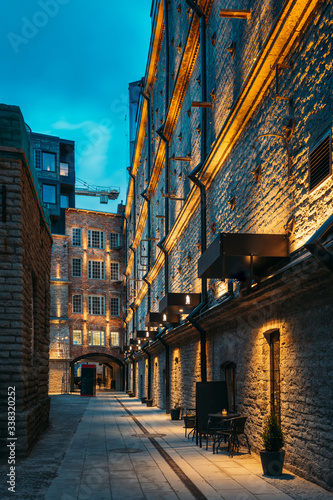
[
  {"x": 35, "y": 473},
  {"x": 113, "y": 447}
]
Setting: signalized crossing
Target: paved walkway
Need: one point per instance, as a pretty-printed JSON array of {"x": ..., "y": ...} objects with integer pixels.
[{"x": 124, "y": 450}]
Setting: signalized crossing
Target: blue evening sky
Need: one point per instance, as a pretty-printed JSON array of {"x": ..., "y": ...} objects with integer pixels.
[{"x": 67, "y": 64}]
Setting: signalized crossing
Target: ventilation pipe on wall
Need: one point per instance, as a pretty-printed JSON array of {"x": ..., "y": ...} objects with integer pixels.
[{"x": 316, "y": 247}]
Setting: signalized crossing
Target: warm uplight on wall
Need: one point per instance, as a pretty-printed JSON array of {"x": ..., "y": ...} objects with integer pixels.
[
  {"x": 187, "y": 300},
  {"x": 58, "y": 271}
]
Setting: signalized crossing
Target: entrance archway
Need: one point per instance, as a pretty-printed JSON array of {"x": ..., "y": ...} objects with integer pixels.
[{"x": 104, "y": 359}]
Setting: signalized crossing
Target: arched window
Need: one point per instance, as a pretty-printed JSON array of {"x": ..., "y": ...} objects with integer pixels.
[{"x": 228, "y": 373}]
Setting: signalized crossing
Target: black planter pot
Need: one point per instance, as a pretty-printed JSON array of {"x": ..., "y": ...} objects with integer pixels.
[
  {"x": 175, "y": 414},
  {"x": 272, "y": 462},
  {"x": 143, "y": 399},
  {"x": 149, "y": 402}
]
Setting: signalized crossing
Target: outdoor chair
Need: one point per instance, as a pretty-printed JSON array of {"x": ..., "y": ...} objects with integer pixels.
[
  {"x": 236, "y": 428},
  {"x": 214, "y": 426},
  {"x": 189, "y": 422}
]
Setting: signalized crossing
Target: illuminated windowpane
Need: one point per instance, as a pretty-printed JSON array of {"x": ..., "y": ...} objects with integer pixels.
[
  {"x": 77, "y": 337},
  {"x": 114, "y": 340},
  {"x": 64, "y": 169},
  {"x": 96, "y": 337}
]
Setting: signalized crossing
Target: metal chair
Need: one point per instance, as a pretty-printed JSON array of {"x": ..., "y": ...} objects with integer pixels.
[
  {"x": 237, "y": 426},
  {"x": 189, "y": 421}
]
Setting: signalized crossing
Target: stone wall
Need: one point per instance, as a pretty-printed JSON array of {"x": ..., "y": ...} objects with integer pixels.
[
  {"x": 25, "y": 256},
  {"x": 272, "y": 137}
]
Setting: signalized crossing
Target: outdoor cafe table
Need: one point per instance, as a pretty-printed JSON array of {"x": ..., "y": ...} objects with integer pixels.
[{"x": 218, "y": 416}]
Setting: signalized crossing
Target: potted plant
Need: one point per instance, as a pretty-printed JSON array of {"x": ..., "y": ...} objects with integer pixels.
[
  {"x": 175, "y": 412},
  {"x": 272, "y": 457}
]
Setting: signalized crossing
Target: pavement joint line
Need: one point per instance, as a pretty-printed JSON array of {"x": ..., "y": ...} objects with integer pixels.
[{"x": 194, "y": 490}]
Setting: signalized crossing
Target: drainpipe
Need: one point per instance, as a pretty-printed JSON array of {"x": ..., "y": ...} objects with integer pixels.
[
  {"x": 134, "y": 375},
  {"x": 167, "y": 369},
  {"x": 200, "y": 13},
  {"x": 147, "y": 98},
  {"x": 149, "y": 372},
  {"x": 160, "y": 245},
  {"x": 126, "y": 377},
  {"x": 193, "y": 177},
  {"x": 316, "y": 247}
]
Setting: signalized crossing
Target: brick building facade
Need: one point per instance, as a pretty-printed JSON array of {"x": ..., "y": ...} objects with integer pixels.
[
  {"x": 25, "y": 258},
  {"x": 87, "y": 297},
  {"x": 234, "y": 138}
]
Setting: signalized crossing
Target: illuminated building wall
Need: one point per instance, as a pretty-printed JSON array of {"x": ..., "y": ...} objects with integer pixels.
[{"x": 257, "y": 178}]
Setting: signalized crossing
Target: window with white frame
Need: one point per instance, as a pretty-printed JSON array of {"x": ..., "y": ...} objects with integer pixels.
[
  {"x": 96, "y": 337},
  {"x": 77, "y": 304},
  {"x": 96, "y": 305},
  {"x": 95, "y": 239},
  {"x": 76, "y": 236},
  {"x": 115, "y": 306},
  {"x": 76, "y": 267},
  {"x": 114, "y": 240},
  {"x": 114, "y": 271},
  {"x": 114, "y": 339},
  {"x": 96, "y": 270},
  {"x": 77, "y": 337}
]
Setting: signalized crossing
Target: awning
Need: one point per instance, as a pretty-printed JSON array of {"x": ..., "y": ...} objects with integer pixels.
[
  {"x": 157, "y": 319},
  {"x": 179, "y": 303},
  {"x": 240, "y": 256}
]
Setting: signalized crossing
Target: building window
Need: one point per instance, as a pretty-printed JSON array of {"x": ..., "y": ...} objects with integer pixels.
[
  {"x": 77, "y": 236},
  {"x": 95, "y": 239},
  {"x": 114, "y": 271},
  {"x": 96, "y": 305},
  {"x": 114, "y": 339},
  {"x": 320, "y": 159},
  {"x": 49, "y": 193},
  {"x": 114, "y": 308},
  {"x": 274, "y": 342},
  {"x": 96, "y": 270},
  {"x": 49, "y": 162},
  {"x": 114, "y": 240},
  {"x": 77, "y": 304},
  {"x": 77, "y": 267},
  {"x": 64, "y": 169},
  {"x": 96, "y": 337},
  {"x": 77, "y": 337},
  {"x": 64, "y": 201},
  {"x": 38, "y": 159}
]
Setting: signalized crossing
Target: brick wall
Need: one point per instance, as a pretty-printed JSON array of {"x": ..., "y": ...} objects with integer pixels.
[{"x": 24, "y": 314}]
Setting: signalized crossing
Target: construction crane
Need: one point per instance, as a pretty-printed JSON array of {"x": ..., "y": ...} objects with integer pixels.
[{"x": 105, "y": 193}]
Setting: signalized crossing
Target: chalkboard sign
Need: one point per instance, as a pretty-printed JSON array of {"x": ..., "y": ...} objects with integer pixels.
[
  {"x": 88, "y": 380},
  {"x": 211, "y": 397}
]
